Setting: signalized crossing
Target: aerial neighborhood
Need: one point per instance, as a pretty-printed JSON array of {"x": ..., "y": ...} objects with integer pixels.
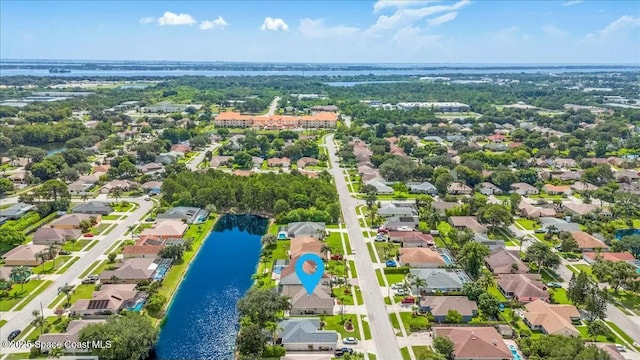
[{"x": 451, "y": 224}]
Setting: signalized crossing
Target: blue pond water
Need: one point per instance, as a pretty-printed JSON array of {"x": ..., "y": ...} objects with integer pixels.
[
  {"x": 619, "y": 234},
  {"x": 202, "y": 321}
]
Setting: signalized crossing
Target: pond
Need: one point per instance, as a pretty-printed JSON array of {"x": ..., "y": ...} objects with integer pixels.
[
  {"x": 202, "y": 320},
  {"x": 619, "y": 234}
]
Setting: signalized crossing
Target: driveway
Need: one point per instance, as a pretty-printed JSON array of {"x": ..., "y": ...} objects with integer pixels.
[{"x": 384, "y": 337}]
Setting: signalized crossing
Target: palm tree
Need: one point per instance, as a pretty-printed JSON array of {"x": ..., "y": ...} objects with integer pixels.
[
  {"x": 20, "y": 273},
  {"x": 84, "y": 197},
  {"x": 56, "y": 352},
  {"x": 486, "y": 281},
  {"x": 274, "y": 327},
  {"x": 325, "y": 249},
  {"x": 388, "y": 250},
  {"x": 38, "y": 320},
  {"x": 419, "y": 283},
  {"x": 42, "y": 256},
  {"x": 66, "y": 290},
  {"x": 116, "y": 193},
  {"x": 52, "y": 250},
  {"x": 321, "y": 234},
  {"x": 72, "y": 240}
]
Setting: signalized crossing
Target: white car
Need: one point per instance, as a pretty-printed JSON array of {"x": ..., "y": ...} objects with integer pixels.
[
  {"x": 350, "y": 340},
  {"x": 402, "y": 292},
  {"x": 621, "y": 348},
  {"x": 396, "y": 286}
]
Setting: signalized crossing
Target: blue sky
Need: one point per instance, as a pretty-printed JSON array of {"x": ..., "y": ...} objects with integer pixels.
[{"x": 480, "y": 31}]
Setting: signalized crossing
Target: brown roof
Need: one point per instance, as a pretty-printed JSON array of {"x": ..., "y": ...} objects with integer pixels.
[
  {"x": 475, "y": 342},
  {"x": 109, "y": 297},
  {"x": 71, "y": 220},
  {"x": 555, "y": 319},
  {"x": 440, "y": 305},
  {"x": 502, "y": 260},
  {"x": 166, "y": 227},
  {"x": 468, "y": 222},
  {"x": 612, "y": 256},
  {"x": 142, "y": 249},
  {"x": 523, "y": 286},
  {"x": 24, "y": 252},
  {"x": 72, "y": 333},
  {"x": 411, "y": 237},
  {"x": 556, "y": 188},
  {"x": 586, "y": 241},
  {"x": 304, "y": 244},
  {"x": 49, "y": 234},
  {"x": 416, "y": 255},
  {"x": 132, "y": 269}
]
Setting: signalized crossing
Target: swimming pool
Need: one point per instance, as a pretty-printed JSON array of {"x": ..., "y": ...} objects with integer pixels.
[
  {"x": 278, "y": 269},
  {"x": 514, "y": 351},
  {"x": 137, "y": 307},
  {"x": 160, "y": 272},
  {"x": 447, "y": 259},
  {"x": 201, "y": 219}
]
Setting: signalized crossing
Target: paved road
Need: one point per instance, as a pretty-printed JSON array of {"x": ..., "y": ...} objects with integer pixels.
[
  {"x": 20, "y": 319},
  {"x": 193, "y": 164},
  {"x": 615, "y": 315},
  {"x": 387, "y": 347},
  {"x": 272, "y": 107}
]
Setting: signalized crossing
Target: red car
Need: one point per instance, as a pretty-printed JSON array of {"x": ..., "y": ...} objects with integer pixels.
[
  {"x": 409, "y": 300},
  {"x": 336, "y": 257},
  {"x": 88, "y": 235}
]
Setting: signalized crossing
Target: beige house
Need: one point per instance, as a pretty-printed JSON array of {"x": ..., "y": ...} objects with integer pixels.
[
  {"x": 24, "y": 255},
  {"x": 504, "y": 261},
  {"x": 467, "y": 222},
  {"x": 70, "y": 336},
  {"x": 475, "y": 343},
  {"x": 72, "y": 221},
  {"x": 110, "y": 299},
  {"x": 319, "y": 302},
  {"x": 420, "y": 257},
  {"x": 552, "y": 319}
]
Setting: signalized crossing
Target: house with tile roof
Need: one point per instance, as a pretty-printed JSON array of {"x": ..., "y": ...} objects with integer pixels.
[
  {"x": 141, "y": 251},
  {"x": 319, "y": 302},
  {"x": 47, "y": 235},
  {"x": 130, "y": 271},
  {"x": 524, "y": 189},
  {"x": 530, "y": 211},
  {"x": 93, "y": 208},
  {"x": 422, "y": 188},
  {"x": 503, "y": 261},
  {"x": 70, "y": 336},
  {"x": 304, "y": 334},
  {"x": 288, "y": 274},
  {"x": 24, "y": 255},
  {"x": 306, "y": 228},
  {"x": 440, "y": 279},
  {"x": 467, "y": 222},
  {"x": 523, "y": 287},
  {"x": 475, "y": 343},
  {"x": 590, "y": 257},
  {"x": 411, "y": 239},
  {"x": 304, "y": 245},
  {"x": 557, "y": 189},
  {"x": 552, "y": 319},
  {"x": 488, "y": 188},
  {"x": 165, "y": 229},
  {"x": 457, "y": 188},
  {"x": 587, "y": 242},
  {"x": 421, "y": 257},
  {"x": 583, "y": 186},
  {"x": 107, "y": 301},
  {"x": 439, "y": 307}
]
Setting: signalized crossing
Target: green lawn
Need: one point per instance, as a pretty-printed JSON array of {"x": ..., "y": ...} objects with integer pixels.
[
  {"x": 352, "y": 267},
  {"x": 365, "y": 328},
  {"x": 410, "y": 321},
  {"x": 15, "y": 294},
  {"x": 67, "y": 265},
  {"x": 584, "y": 267},
  {"x": 628, "y": 299},
  {"x": 122, "y": 206},
  {"x": 48, "y": 265},
  {"x": 405, "y": 353},
  {"x": 334, "y": 240},
  {"x": 334, "y": 322},
  {"x": 77, "y": 246},
  {"x": 421, "y": 351},
  {"x": 359, "y": 298},
  {"x": 560, "y": 295},
  {"x": 380, "y": 249},
  {"x": 111, "y": 217},
  {"x": 395, "y": 278},
  {"x": 97, "y": 270},
  {"x": 379, "y": 277},
  {"x": 32, "y": 295},
  {"x": 527, "y": 224},
  {"x": 91, "y": 245},
  {"x": 496, "y": 292},
  {"x": 372, "y": 253},
  {"x": 624, "y": 335},
  {"x": 347, "y": 244},
  {"x": 99, "y": 229},
  {"x": 584, "y": 334}
]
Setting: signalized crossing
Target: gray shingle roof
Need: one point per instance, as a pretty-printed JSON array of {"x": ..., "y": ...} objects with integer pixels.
[{"x": 305, "y": 331}]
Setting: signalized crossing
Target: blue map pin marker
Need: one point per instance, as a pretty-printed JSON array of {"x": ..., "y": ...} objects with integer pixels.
[{"x": 309, "y": 281}]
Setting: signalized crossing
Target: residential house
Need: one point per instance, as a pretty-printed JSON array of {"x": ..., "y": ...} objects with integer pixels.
[
  {"x": 47, "y": 235},
  {"x": 583, "y": 186},
  {"x": 303, "y": 245},
  {"x": 16, "y": 211},
  {"x": 626, "y": 176},
  {"x": 168, "y": 157},
  {"x": 403, "y": 223},
  {"x": 442, "y": 206},
  {"x": 496, "y": 138},
  {"x": 220, "y": 161},
  {"x": 552, "y": 319},
  {"x": 381, "y": 187},
  {"x": 69, "y": 338},
  {"x": 154, "y": 169},
  {"x": 152, "y": 186},
  {"x": 131, "y": 271},
  {"x": 191, "y": 215},
  {"x": 165, "y": 229},
  {"x": 18, "y": 178},
  {"x": 279, "y": 162},
  {"x": 503, "y": 261},
  {"x": 93, "y": 207},
  {"x": 5, "y": 274},
  {"x": 559, "y": 224},
  {"x": 587, "y": 242},
  {"x": 475, "y": 343},
  {"x": 557, "y": 189},
  {"x": 524, "y": 189},
  {"x": 411, "y": 239},
  {"x": 530, "y": 211},
  {"x": 123, "y": 185},
  {"x": 319, "y": 302},
  {"x": 306, "y": 228},
  {"x": 467, "y": 222},
  {"x": 79, "y": 188},
  {"x": 392, "y": 211},
  {"x": 590, "y": 257},
  {"x": 305, "y": 335},
  {"x": 488, "y": 188},
  {"x": 439, "y": 307},
  {"x": 457, "y": 188},
  {"x": 367, "y": 173},
  {"x": 421, "y": 257},
  {"x": 523, "y": 287},
  {"x": 564, "y": 163},
  {"x": 181, "y": 148},
  {"x": 422, "y": 188},
  {"x": 288, "y": 274},
  {"x": 142, "y": 251},
  {"x": 72, "y": 221},
  {"x": 582, "y": 209},
  {"x": 306, "y": 161},
  {"x": 109, "y": 300},
  {"x": 440, "y": 279},
  {"x": 24, "y": 255},
  {"x": 100, "y": 170}
]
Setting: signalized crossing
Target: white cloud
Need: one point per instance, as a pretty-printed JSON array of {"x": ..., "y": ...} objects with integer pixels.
[
  {"x": 554, "y": 31},
  {"x": 404, "y": 17},
  {"x": 398, "y": 4},
  {"x": 272, "y": 24},
  {"x": 147, "y": 20},
  {"x": 442, "y": 19},
  {"x": 219, "y": 23},
  {"x": 572, "y": 2},
  {"x": 623, "y": 23},
  {"x": 170, "y": 18},
  {"x": 316, "y": 29}
]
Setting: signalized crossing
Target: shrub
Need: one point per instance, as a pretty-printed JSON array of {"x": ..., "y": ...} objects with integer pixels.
[
  {"x": 396, "y": 270},
  {"x": 273, "y": 351}
]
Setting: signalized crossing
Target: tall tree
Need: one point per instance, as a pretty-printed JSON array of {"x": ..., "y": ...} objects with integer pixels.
[
  {"x": 472, "y": 257},
  {"x": 444, "y": 346}
]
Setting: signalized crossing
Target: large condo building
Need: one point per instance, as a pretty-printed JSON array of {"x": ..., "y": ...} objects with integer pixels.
[{"x": 318, "y": 120}]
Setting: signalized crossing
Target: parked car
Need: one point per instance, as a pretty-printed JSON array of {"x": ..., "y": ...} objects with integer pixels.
[
  {"x": 397, "y": 286},
  {"x": 14, "y": 334},
  {"x": 346, "y": 350},
  {"x": 90, "y": 279},
  {"x": 391, "y": 263},
  {"x": 380, "y": 237},
  {"x": 554, "y": 285},
  {"x": 402, "y": 291},
  {"x": 621, "y": 348},
  {"x": 338, "y": 353},
  {"x": 350, "y": 341},
  {"x": 409, "y": 300},
  {"x": 147, "y": 198},
  {"x": 88, "y": 235},
  {"x": 336, "y": 257}
]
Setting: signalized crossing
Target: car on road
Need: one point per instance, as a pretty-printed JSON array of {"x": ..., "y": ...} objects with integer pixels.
[
  {"x": 350, "y": 341},
  {"x": 621, "y": 348},
  {"x": 409, "y": 300},
  {"x": 554, "y": 285},
  {"x": 90, "y": 279},
  {"x": 353, "y": 251},
  {"x": 14, "y": 334},
  {"x": 147, "y": 198}
]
